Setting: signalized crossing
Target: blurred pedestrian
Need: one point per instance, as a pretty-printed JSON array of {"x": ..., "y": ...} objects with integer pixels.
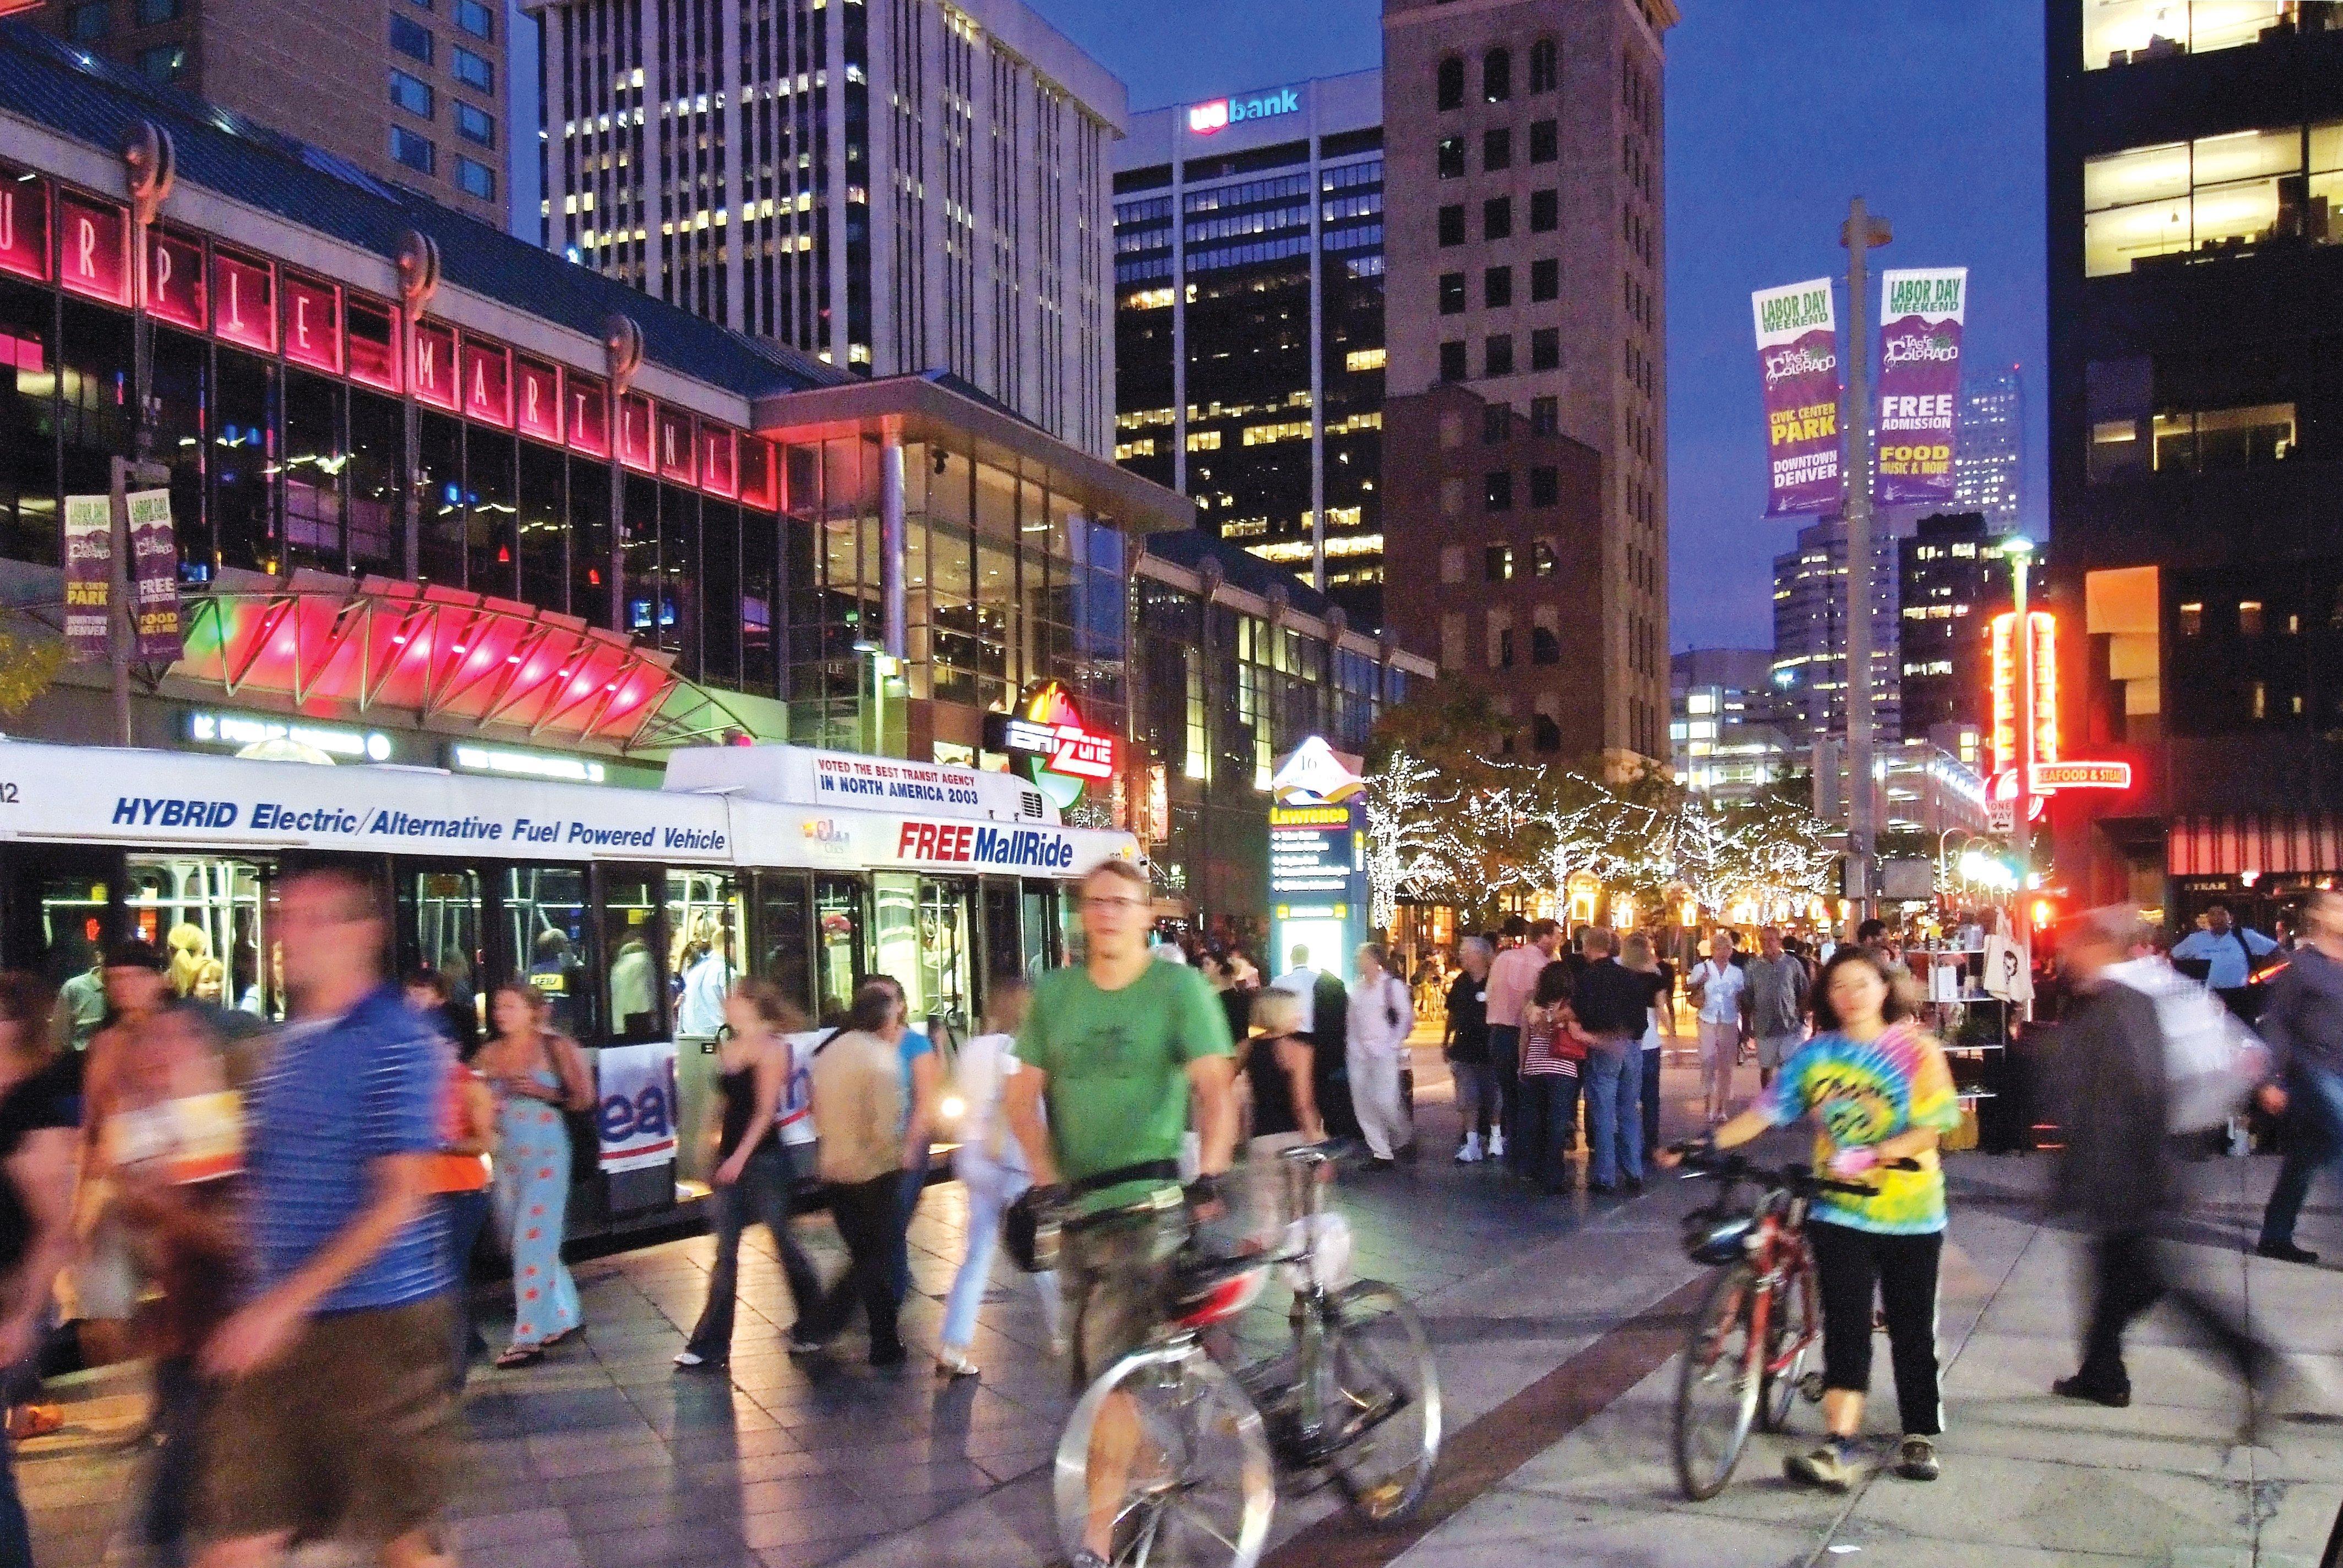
[
  {"x": 104, "y": 1280},
  {"x": 1464, "y": 1038},
  {"x": 461, "y": 1173},
  {"x": 1660, "y": 1025},
  {"x": 991, "y": 1166},
  {"x": 1274, "y": 1060},
  {"x": 2118, "y": 1174},
  {"x": 538, "y": 1074},
  {"x": 1554, "y": 1054},
  {"x": 923, "y": 1087},
  {"x": 861, "y": 1105},
  {"x": 1614, "y": 1004},
  {"x": 2223, "y": 955},
  {"x": 1718, "y": 988},
  {"x": 1381, "y": 1016},
  {"x": 40, "y": 1116},
  {"x": 1234, "y": 983},
  {"x": 2302, "y": 1024},
  {"x": 1512, "y": 978},
  {"x": 333, "y": 1419},
  {"x": 1778, "y": 996},
  {"x": 755, "y": 1174},
  {"x": 172, "y": 1146},
  {"x": 1882, "y": 1095}
]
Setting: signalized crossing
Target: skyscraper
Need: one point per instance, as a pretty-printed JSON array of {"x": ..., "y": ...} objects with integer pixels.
[
  {"x": 1523, "y": 139},
  {"x": 409, "y": 92},
  {"x": 891, "y": 188},
  {"x": 1249, "y": 321},
  {"x": 2195, "y": 176},
  {"x": 1952, "y": 581},
  {"x": 1809, "y": 697},
  {"x": 1986, "y": 468}
]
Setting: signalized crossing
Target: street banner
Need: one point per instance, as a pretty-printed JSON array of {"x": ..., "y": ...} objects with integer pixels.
[
  {"x": 89, "y": 575},
  {"x": 636, "y": 1114},
  {"x": 1920, "y": 320},
  {"x": 1797, "y": 357},
  {"x": 155, "y": 568}
]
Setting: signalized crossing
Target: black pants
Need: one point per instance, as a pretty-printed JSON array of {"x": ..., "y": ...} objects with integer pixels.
[
  {"x": 1853, "y": 1266},
  {"x": 763, "y": 1194},
  {"x": 181, "y": 1402},
  {"x": 1651, "y": 1103},
  {"x": 869, "y": 1216},
  {"x": 2129, "y": 1276},
  {"x": 1504, "y": 1072},
  {"x": 1546, "y": 1106}
]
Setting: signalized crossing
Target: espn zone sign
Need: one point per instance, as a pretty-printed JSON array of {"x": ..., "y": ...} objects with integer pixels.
[{"x": 1067, "y": 749}]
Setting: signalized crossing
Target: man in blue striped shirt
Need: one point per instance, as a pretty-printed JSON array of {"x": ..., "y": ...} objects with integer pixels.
[{"x": 333, "y": 1419}]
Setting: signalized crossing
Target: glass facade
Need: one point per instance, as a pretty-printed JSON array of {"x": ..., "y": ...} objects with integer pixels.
[{"x": 1225, "y": 693}]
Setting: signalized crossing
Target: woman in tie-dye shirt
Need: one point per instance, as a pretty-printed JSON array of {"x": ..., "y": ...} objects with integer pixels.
[{"x": 1880, "y": 1094}]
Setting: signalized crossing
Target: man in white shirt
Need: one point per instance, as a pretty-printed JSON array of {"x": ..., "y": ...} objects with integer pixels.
[
  {"x": 1719, "y": 990},
  {"x": 1303, "y": 981}
]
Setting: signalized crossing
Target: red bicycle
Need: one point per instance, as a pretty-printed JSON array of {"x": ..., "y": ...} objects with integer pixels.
[{"x": 1745, "y": 1358}]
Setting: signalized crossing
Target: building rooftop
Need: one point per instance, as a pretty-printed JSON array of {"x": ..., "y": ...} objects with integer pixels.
[{"x": 73, "y": 94}]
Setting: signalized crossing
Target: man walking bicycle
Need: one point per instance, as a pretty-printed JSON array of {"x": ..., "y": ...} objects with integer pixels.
[{"x": 1115, "y": 1049}]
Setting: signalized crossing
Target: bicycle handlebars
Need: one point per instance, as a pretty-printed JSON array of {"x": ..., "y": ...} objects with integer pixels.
[{"x": 1704, "y": 1160}]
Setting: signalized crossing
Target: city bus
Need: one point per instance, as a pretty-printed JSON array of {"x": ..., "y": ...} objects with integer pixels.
[{"x": 629, "y": 909}]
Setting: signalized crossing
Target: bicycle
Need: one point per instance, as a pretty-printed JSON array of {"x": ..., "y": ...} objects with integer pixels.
[
  {"x": 1355, "y": 1401},
  {"x": 1757, "y": 1321}
]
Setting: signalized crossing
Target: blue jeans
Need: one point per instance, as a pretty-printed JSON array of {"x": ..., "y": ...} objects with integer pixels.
[
  {"x": 766, "y": 1192},
  {"x": 462, "y": 1215},
  {"x": 914, "y": 1184},
  {"x": 1547, "y": 1109},
  {"x": 2314, "y": 1140},
  {"x": 991, "y": 1188},
  {"x": 1613, "y": 1074},
  {"x": 15, "y": 1529}
]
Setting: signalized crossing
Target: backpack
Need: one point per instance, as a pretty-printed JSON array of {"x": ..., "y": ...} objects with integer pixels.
[{"x": 2211, "y": 1062}]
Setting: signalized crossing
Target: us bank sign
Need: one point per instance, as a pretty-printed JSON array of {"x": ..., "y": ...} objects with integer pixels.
[{"x": 1203, "y": 119}]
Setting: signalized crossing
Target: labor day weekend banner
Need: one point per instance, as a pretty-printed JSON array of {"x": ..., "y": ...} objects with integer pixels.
[
  {"x": 1920, "y": 320},
  {"x": 1797, "y": 361}
]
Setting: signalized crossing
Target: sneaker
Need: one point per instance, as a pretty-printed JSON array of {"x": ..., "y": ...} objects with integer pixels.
[
  {"x": 2285, "y": 1252},
  {"x": 1830, "y": 1467},
  {"x": 691, "y": 1359},
  {"x": 1470, "y": 1154},
  {"x": 2115, "y": 1396},
  {"x": 802, "y": 1343},
  {"x": 1917, "y": 1458},
  {"x": 951, "y": 1364},
  {"x": 1496, "y": 1144}
]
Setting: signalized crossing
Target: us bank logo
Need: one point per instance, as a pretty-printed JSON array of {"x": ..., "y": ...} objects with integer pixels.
[{"x": 1203, "y": 119}]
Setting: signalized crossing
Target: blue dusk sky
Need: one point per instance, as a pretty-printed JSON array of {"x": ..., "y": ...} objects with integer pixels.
[{"x": 1778, "y": 112}]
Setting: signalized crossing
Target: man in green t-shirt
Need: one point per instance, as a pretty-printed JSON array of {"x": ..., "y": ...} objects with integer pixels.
[{"x": 1116, "y": 1049}]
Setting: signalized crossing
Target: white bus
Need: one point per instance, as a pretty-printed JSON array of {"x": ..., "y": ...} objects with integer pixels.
[{"x": 627, "y": 908}]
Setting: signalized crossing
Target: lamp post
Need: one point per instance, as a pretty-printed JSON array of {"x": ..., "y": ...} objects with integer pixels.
[{"x": 1861, "y": 232}]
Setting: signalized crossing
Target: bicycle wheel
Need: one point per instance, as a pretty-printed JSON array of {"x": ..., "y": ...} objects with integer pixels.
[
  {"x": 1794, "y": 1323},
  {"x": 1381, "y": 1401},
  {"x": 1717, "y": 1385},
  {"x": 1195, "y": 1490}
]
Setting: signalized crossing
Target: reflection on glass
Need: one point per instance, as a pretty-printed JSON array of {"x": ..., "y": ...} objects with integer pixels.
[
  {"x": 895, "y": 936},
  {"x": 783, "y": 955},
  {"x": 837, "y": 913}
]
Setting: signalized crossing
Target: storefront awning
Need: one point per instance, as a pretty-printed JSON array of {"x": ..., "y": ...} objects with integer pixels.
[
  {"x": 328, "y": 646},
  {"x": 2274, "y": 843}
]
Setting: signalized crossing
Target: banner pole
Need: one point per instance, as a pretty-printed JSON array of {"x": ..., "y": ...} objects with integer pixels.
[
  {"x": 119, "y": 628},
  {"x": 1862, "y": 232}
]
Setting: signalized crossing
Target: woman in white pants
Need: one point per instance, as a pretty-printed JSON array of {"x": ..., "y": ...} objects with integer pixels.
[
  {"x": 991, "y": 1166},
  {"x": 1382, "y": 1015}
]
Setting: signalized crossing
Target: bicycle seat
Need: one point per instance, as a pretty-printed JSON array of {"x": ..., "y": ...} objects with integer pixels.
[{"x": 1208, "y": 1290}]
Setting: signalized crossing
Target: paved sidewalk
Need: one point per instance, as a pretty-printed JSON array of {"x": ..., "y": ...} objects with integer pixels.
[{"x": 606, "y": 1457}]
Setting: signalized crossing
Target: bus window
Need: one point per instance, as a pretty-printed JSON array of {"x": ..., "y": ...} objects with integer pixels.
[
  {"x": 544, "y": 924},
  {"x": 838, "y": 909},
  {"x": 1002, "y": 951},
  {"x": 441, "y": 928},
  {"x": 895, "y": 936},
  {"x": 630, "y": 941},
  {"x": 61, "y": 918},
  {"x": 205, "y": 911},
  {"x": 946, "y": 956},
  {"x": 703, "y": 922},
  {"x": 782, "y": 954}
]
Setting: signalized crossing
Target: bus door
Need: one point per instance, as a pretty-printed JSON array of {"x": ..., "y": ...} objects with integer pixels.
[
  {"x": 542, "y": 919},
  {"x": 781, "y": 935},
  {"x": 211, "y": 915},
  {"x": 841, "y": 944},
  {"x": 1002, "y": 949},
  {"x": 630, "y": 951},
  {"x": 62, "y": 907},
  {"x": 947, "y": 959},
  {"x": 706, "y": 918},
  {"x": 1045, "y": 950},
  {"x": 442, "y": 925}
]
